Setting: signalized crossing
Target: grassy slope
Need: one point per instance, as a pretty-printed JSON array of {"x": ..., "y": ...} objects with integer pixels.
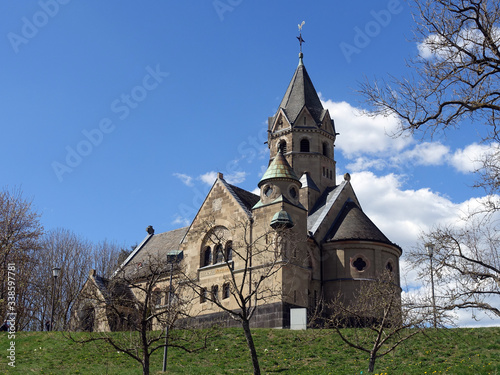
[{"x": 455, "y": 351}]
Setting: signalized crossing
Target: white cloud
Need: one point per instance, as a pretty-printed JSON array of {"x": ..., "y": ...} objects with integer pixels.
[
  {"x": 362, "y": 134},
  {"x": 236, "y": 177},
  {"x": 364, "y": 163},
  {"x": 426, "y": 153},
  {"x": 186, "y": 180},
  {"x": 232, "y": 178},
  {"x": 208, "y": 178},
  {"x": 179, "y": 220},
  {"x": 469, "y": 39},
  {"x": 468, "y": 159}
]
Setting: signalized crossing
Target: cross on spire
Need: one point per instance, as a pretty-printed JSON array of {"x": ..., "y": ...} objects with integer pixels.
[{"x": 300, "y": 35}]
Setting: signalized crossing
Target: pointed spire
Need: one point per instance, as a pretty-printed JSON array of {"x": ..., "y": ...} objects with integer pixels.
[{"x": 300, "y": 93}]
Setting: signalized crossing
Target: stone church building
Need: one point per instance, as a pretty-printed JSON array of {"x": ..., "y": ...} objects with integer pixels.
[{"x": 332, "y": 248}]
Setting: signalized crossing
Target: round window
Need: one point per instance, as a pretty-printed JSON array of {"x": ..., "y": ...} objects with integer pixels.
[
  {"x": 268, "y": 190},
  {"x": 293, "y": 192}
]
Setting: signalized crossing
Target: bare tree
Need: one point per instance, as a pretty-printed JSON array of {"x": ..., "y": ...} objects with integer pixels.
[
  {"x": 250, "y": 261},
  {"x": 379, "y": 320},
  {"x": 140, "y": 302},
  {"x": 466, "y": 266},
  {"x": 107, "y": 257},
  {"x": 455, "y": 82},
  {"x": 456, "y": 74},
  {"x": 20, "y": 232},
  {"x": 74, "y": 255}
]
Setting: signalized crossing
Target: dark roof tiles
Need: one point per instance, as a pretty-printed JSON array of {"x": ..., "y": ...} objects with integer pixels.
[
  {"x": 300, "y": 93},
  {"x": 353, "y": 224}
]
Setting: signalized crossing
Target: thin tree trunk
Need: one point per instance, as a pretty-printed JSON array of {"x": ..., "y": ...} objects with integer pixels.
[
  {"x": 251, "y": 346},
  {"x": 371, "y": 365},
  {"x": 145, "y": 365}
]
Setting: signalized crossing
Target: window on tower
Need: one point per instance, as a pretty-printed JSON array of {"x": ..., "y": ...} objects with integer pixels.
[
  {"x": 325, "y": 149},
  {"x": 282, "y": 147},
  {"x": 304, "y": 145}
]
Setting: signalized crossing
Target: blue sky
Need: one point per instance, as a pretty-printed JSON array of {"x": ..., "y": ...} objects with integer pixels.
[{"x": 117, "y": 115}]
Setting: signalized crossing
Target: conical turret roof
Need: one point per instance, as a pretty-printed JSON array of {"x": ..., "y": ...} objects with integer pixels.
[{"x": 279, "y": 169}]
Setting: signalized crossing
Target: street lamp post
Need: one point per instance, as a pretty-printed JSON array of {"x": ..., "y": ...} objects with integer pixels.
[
  {"x": 55, "y": 273},
  {"x": 430, "y": 251},
  {"x": 169, "y": 295}
]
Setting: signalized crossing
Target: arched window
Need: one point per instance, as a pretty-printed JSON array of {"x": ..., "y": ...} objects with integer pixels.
[
  {"x": 219, "y": 254},
  {"x": 389, "y": 267},
  {"x": 282, "y": 147},
  {"x": 225, "y": 291},
  {"x": 157, "y": 297},
  {"x": 207, "y": 256},
  {"x": 325, "y": 149},
  {"x": 203, "y": 295},
  {"x": 215, "y": 292},
  {"x": 304, "y": 145},
  {"x": 229, "y": 251}
]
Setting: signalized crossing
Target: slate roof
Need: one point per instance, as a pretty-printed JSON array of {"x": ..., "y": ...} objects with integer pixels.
[
  {"x": 155, "y": 246},
  {"x": 114, "y": 291},
  {"x": 307, "y": 181},
  {"x": 353, "y": 224},
  {"x": 322, "y": 206},
  {"x": 245, "y": 198},
  {"x": 300, "y": 93}
]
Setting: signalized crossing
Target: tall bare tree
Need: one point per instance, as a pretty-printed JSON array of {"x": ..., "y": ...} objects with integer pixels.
[
  {"x": 139, "y": 302},
  {"x": 20, "y": 232},
  {"x": 456, "y": 73},
  {"x": 74, "y": 255},
  {"x": 466, "y": 267},
  {"x": 378, "y": 318},
  {"x": 455, "y": 83},
  {"x": 250, "y": 262}
]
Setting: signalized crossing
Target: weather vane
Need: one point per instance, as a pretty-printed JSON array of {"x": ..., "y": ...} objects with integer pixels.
[{"x": 300, "y": 35}]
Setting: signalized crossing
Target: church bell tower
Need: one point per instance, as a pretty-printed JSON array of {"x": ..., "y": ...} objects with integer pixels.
[{"x": 303, "y": 131}]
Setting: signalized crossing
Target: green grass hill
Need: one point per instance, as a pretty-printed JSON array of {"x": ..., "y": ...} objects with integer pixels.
[{"x": 443, "y": 351}]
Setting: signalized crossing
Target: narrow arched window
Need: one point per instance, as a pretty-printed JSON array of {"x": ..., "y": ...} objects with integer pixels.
[
  {"x": 282, "y": 147},
  {"x": 215, "y": 293},
  {"x": 207, "y": 256},
  {"x": 219, "y": 254},
  {"x": 157, "y": 297},
  {"x": 229, "y": 251},
  {"x": 225, "y": 291},
  {"x": 325, "y": 149},
  {"x": 304, "y": 145}
]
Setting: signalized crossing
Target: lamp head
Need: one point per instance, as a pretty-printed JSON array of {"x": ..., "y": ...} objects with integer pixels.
[
  {"x": 56, "y": 271},
  {"x": 430, "y": 248}
]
